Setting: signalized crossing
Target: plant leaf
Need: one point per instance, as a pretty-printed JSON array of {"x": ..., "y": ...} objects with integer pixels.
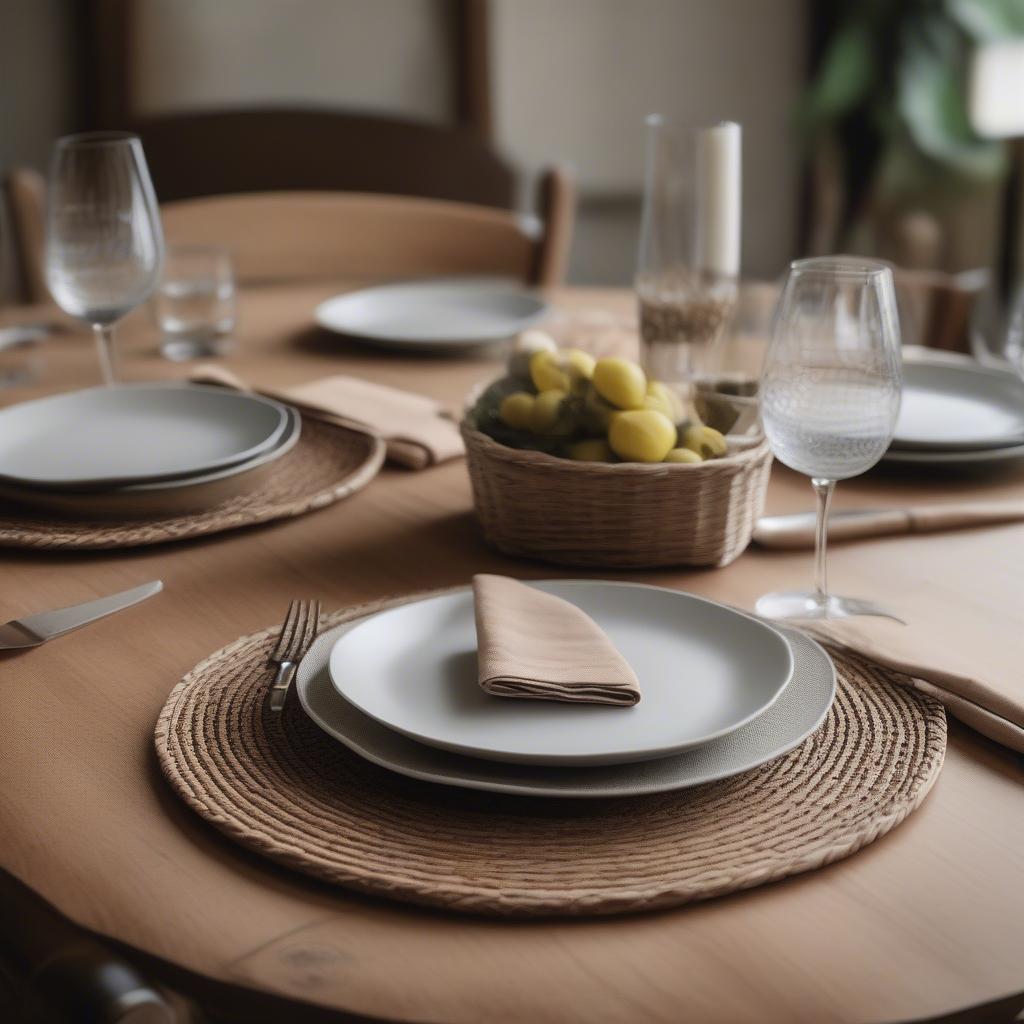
[
  {"x": 843, "y": 80},
  {"x": 930, "y": 99},
  {"x": 988, "y": 20}
]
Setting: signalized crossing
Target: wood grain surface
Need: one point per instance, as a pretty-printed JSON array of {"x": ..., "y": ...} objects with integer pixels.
[{"x": 928, "y": 920}]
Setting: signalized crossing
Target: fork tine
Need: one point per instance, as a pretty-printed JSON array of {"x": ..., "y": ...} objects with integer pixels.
[
  {"x": 304, "y": 629},
  {"x": 312, "y": 624},
  {"x": 285, "y": 639}
]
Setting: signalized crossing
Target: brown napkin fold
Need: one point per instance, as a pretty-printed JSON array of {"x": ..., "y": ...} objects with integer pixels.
[
  {"x": 414, "y": 427},
  {"x": 536, "y": 646},
  {"x": 950, "y": 652}
]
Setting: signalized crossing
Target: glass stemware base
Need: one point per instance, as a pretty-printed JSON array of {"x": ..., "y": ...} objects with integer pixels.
[{"x": 812, "y": 604}]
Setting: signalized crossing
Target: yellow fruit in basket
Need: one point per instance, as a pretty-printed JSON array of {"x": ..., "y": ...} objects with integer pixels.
[
  {"x": 705, "y": 441},
  {"x": 642, "y": 435},
  {"x": 662, "y": 398},
  {"x": 595, "y": 450},
  {"x": 546, "y": 373},
  {"x": 580, "y": 367},
  {"x": 527, "y": 345},
  {"x": 515, "y": 410},
  {"x": 682, "y": 455},
  {"x": 595, "y": 413},
  {"x": 620, "y": 382},
  {"x": 550, "y": 414}
]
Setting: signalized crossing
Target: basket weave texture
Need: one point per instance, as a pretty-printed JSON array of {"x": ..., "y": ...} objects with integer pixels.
[
  {"x": 623, "y": 515},
  {"x": 329, "y": 463}
]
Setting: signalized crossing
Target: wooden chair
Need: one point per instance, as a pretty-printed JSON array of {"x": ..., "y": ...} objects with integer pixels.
[
  {"x": 286, "y": 149},
  {"x": 24, "y": 194},
  {"x": 292, "y": 236}
]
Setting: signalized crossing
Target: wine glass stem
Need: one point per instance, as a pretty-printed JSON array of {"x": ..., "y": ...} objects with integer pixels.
[
  {"x": 823, "y": 489},
  {"x": 105, "y": 350}
]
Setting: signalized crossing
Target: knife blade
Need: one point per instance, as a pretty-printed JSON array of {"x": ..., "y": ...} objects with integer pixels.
[
  {"x": 43, "y": 626},
  {"x": 797, "y": 530}
]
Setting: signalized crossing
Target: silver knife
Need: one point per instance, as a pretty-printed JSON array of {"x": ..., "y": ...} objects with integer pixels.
[
  {"x": 797, "y": 530},
  {"x": 37, "y": 629}
]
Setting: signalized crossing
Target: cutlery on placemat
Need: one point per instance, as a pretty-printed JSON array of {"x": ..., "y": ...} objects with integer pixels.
[
  {"x": 297, "y": 636},
  {"x": 797, "y": 530},
  {"x": 34, "y": 630}
]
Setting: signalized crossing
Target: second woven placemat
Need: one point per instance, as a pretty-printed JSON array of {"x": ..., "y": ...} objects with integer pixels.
[
  {"x": 279, "y": 786},
  {"x": 329, "y": 463}
]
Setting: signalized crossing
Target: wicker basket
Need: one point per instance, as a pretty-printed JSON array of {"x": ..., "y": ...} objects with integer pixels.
[{"x": 625, "y": 515}]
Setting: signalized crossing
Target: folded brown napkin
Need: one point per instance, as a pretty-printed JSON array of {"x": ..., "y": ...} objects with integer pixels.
[
  {"x": 414, "y": 427},
  {"x": 539, "y": 647},
  {"x": 953, "y": 652}
]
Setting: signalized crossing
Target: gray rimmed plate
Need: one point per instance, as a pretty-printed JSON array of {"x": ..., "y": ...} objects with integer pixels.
[
  {"x": 132, "y": 434},
  {"x": 704, "y": 670},
  {"x": 433, "y": 315},
  {"x": 952, "y": 407},
  {"x": 179, "y": 496},
  {"x": 799, "y": 711}
]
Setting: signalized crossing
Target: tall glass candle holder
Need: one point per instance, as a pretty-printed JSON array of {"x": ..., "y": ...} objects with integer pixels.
[{"x": 688, "y": 264}]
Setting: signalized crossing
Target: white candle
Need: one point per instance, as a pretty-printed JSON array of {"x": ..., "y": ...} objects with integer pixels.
[{"x": 718, "y": 199}]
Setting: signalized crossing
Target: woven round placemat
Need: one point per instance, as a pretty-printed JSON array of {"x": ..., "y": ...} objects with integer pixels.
[
  {"x": 329, "y": 463},
  {"x": 279, "y": 786}
]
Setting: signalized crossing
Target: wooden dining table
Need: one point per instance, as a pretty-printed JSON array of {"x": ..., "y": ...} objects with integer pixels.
[{"x": 925, "y": 922}]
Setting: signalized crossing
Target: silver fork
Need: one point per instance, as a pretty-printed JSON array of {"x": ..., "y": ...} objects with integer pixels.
[{"x": 297, "y": 636}]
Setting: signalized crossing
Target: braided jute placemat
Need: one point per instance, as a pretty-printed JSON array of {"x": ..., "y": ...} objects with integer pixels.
[
  {"x": 284, "y": 789},
  {"x": 329, "y": 463}
]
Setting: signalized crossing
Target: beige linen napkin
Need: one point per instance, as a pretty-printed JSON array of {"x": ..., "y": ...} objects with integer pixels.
[
  {"x": 536, "y": 646},
  {"x": 413, "y": 426},
  {"x": 950, "y": 654}
]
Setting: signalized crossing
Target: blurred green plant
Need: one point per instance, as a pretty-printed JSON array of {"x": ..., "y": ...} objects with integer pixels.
[{"x": 890, "y": 92}]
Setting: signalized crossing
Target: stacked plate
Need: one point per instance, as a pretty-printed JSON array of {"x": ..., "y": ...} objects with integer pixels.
[
  {"x": 140, "y": 449},
  {"x": 958, "y": 413},
  {"x": 440, "y": 315},
  {"x": 722, "y": 693}
]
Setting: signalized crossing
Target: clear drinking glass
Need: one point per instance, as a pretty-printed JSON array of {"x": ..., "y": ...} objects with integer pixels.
[
  {"x": 688, "y": 261},
  {"x": 830, "y": 396},
  {"x": 194, "y": 304},
  {"x": 104, "y": 242}
]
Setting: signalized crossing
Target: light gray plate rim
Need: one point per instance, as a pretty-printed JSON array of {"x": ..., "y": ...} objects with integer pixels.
[{"x": 798, "y": 712}]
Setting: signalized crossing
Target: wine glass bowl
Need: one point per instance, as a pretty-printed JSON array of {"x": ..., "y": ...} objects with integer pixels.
[
  {"x": 831, "y": 395},
  {"x": 104, "y": 242}
]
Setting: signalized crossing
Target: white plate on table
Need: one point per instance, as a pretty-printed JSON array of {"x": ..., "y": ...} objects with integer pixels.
[
  {"x": 950, "y": 407},
  {"x": 432, "y": 315},
  {"x": 963, "y": 459},
  {"x": 798, "y": 712},
  {"x": 133, "y": 434},
  {"x": 161, "y": 498},
  {"x": 704, "y": 671}
]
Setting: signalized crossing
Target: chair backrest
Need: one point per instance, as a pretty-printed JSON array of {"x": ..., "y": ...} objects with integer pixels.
[
  {"x": 280, "y": 149},
  {"x": 24, "y": 193},
  {"x": 290, "y": 236}
]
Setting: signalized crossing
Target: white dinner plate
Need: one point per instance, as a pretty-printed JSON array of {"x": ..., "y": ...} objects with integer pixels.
[
  {"x": 954, "y": 459},
  {"x": 436, "y": 314},
  {"x": 704, "y": 670},
  {"x": 134, "y": 433},
  {"x": 949, "y": 407},
  {"x": 162, "y": 498},
  {"x": 797, "y": 713}
]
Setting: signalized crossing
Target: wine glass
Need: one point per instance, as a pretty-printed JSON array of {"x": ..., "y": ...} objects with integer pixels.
[
  {"x": 830, "y": 396},
  {"x": 104, "y": 242}
]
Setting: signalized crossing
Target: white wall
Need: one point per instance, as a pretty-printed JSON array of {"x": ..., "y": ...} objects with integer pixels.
[{"x": 573, "y": 80}]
